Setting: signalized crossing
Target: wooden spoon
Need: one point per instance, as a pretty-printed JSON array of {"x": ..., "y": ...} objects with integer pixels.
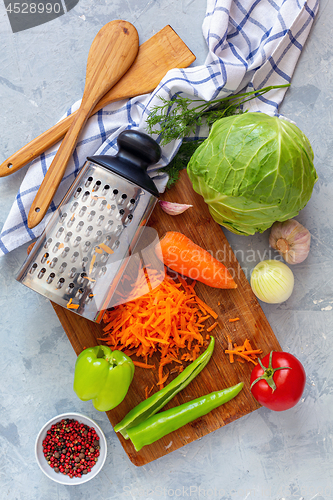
[
  {"x": 111, "y": 54},
  {"x": 163, "y": 51}
]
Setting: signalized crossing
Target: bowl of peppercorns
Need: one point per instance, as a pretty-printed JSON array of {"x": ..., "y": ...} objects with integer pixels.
[{"x": 71, "y": 449}]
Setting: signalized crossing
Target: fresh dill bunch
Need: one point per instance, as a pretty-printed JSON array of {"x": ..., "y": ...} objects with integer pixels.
[
  {"x": 179, "y": 117},
  {"x": 175, "y": 119}
]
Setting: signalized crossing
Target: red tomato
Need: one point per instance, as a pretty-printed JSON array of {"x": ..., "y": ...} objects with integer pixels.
[{"x": 289, "y": 382}]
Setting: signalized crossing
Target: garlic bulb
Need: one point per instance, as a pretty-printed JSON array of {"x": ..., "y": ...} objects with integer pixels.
[
  {"x": 173, "y": 208},
  {"x": 291, "y": 240}
]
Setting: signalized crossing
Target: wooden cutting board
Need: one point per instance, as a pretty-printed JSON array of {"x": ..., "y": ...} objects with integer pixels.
[{"x": 197, "y": 224}]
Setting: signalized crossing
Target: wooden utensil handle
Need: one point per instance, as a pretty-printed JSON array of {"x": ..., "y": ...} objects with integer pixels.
[
  {"x": 36, "y": 147},
  {"x": 55, "y": 173},
  {"x": 155, "y": 58}
]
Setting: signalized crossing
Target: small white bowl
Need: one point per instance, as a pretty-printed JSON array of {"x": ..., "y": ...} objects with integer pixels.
[{"x": 58, "y": 477}]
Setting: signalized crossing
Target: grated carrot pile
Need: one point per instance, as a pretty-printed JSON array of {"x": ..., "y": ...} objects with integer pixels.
[
  {"x": 245, "y": 352},
  {"x": 168, "y": 320}
]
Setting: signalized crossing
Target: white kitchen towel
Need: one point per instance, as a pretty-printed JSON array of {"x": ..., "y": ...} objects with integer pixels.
[{"x": 251, "y": 44}]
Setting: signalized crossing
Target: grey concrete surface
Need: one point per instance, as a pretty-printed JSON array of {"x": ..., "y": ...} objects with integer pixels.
[{"x": 263, "y": 456}]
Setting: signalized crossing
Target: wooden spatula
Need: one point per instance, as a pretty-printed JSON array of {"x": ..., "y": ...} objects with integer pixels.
[
  {"x": 155, "y": 58},
  {"x": 111, "y": 54}
]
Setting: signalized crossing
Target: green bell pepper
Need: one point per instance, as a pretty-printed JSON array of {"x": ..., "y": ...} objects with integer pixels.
[{"x": 103, "y": 375}]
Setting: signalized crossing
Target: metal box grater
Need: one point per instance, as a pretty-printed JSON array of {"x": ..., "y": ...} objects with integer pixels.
[{"x": 80, "y": 258}]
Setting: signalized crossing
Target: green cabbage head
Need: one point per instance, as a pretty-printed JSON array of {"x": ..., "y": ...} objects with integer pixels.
[{"x": 253, "y": 170}]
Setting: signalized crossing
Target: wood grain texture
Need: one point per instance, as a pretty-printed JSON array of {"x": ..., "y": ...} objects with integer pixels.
[
  {"x": 111, "y": 54},
  {"x": 156, "y": 56},
  {"x": 197, "y": 224}
]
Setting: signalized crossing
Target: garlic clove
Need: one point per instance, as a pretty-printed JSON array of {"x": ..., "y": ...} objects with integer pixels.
[
  {"x": 173, "y": 208},
  {"x": 291, "y": 240}
]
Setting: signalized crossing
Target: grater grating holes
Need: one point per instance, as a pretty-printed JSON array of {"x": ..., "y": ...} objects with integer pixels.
[
  {"x": 44, "y": 258},
  {"x": 131, "y": 203},
  {"x": 104, "y": 258},
  {"x": 47, "y": 243},
  {"x": 41, "y": 273},
  {"x": 81, "y": 278},
  {"x": 59, "y": 232},
  {"x": 114, "y": 194},
  {"x": 74, "y": 257},
  {"x": 68, "y": 236},
  {"x": 74, "y": 206},
  {"x": 85, "y": 196},
  {"x": 84, "y": 262},
  {"x": 56, "y": 247},
  {"x": 65, "y": 252},
  {"x": 109, "y": 225},
  {"x": 71, "y": 221},
  {"x": 88, "y": 181},
  {"x": 77, "y": 241},
  {"x": 120, "y": 214},
  {"x": 118, "y": 230},
  {"x": 111, "y": 209},
  {"x": 62, "y": 217},
  {"x": 128, "y": 219},
  {"x": 100, "y": 220},
  {"x": 72, "y": 272},
  {"x": 79, "y": 293},
  {"x": 86, "y": 246},
  {"x": 115, "y": 245},
  {"x": 70, "y": 288},
  {"x": 102, "y": 205},
  {"x": 91, "y": 215},
  {"x": 78, "y": 192},
  {"x": 62, "y": 267},
  {"x": 105, "y": 189},
  {"x": 96, "y": 186},
  {"x": 122, "y": 198},
  {"x": 93, "y": 201},
  {"x": 102, "y": 271},
  {"x": 50, "y": 278},
  {"x": 79, "y": 226},
  {"x": 60, "y": 283},
  {"x": 82, "y": 211},
  {"x": 53, "y": 262},
  {"x": 99, "y": 235},
  {"x": 33, "y": 268}
]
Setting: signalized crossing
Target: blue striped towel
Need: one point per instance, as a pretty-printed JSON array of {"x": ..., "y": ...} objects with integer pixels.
[{"x": 251, "y": 44}]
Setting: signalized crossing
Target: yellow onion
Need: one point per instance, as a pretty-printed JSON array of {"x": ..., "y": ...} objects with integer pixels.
[{"x": 272, "y": 281}]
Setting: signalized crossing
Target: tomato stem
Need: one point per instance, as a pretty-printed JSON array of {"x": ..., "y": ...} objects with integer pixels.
[{"x": 269, "y": 373}]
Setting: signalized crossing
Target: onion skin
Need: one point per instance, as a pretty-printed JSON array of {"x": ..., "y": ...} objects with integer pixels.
[
  {"x": 272, "y": 281},
  {"x": 291, "y": 240}
]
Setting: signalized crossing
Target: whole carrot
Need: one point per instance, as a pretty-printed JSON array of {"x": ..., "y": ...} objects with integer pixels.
[{"x": 182, "y": 255}]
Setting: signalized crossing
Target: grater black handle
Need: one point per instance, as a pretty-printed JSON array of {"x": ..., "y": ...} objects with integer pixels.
[
  {"x": 140, "y": 146},
  {"x": 136, "y": 152}
]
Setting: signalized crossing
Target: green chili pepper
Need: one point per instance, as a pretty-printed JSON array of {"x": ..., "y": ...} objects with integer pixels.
[
  {"x": 163, "y": 423},
  {"x": 103, "y": 375},
  {"x": 154, "y": 403}
]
